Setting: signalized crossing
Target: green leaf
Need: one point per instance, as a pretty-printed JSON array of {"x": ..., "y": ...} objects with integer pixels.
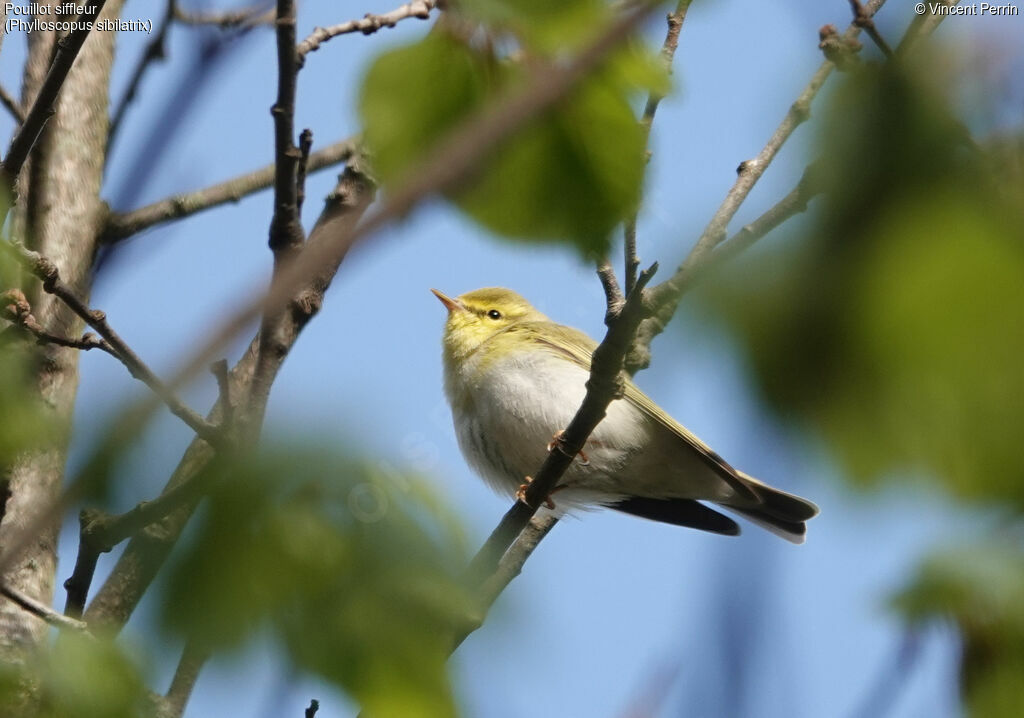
[
  {"x": 79, "y": 677},
  {"x": 571, "y": 175},
  {"x": 355, "y": 570}
]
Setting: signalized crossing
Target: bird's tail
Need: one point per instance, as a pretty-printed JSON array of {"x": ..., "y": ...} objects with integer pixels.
[{"x": 779, "y": 512}]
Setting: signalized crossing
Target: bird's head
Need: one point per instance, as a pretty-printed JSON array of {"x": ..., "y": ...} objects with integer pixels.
[{"x": 474, "y": 317}]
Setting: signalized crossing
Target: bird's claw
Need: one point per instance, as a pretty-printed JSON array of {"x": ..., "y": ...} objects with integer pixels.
[
  {"x": 558, "y": 442},
  {"x": 521, "y": 494}
]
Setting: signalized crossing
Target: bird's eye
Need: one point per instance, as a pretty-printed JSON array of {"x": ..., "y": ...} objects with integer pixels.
[{"x": 494, "y": 314}]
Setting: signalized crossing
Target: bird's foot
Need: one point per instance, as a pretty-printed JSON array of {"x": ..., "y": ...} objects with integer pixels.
[
  {"x": 521, "y": 493},
  {"x": 558, "y": 442}
]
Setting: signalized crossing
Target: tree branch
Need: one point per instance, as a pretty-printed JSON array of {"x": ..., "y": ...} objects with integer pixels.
[
  {"x": 185, "y": 676},
  {"x": 24, "y": 140},
  {"x": 148, "y": 549},
  {"x": 862, "y": 19},
  {"x": 510, "y": 566},
  {"x": 41, "y": 610},
  {"x": 286, "y": 234},
  {"x": 668, "y": 51},
  {"x": 12, "y": 105},
  {"x": 15, "y": 308},
  {"x": 666, "y": 296},
  {"x": 47, "y": 272},
  {"x": 368, "y": 25},
  {"x": 922, "y": 26},
  {"x": 122, "y": 226}
]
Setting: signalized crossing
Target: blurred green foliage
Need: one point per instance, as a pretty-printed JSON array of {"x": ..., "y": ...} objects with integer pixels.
[
  {"x": 570, "y": 175},
  {"x": 355, "y": 570},
  {"x": 892, "y": 327},
  {"x": 981, "y": 588},
  {"x": 25, "y": 423},
  {"x": 80, "y": 677}
]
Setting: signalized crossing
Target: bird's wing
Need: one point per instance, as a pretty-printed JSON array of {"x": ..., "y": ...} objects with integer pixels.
[{"x": 578, "y": 348}]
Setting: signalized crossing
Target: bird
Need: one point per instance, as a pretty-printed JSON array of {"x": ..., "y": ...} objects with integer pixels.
[{"x": 514, "y": 379}]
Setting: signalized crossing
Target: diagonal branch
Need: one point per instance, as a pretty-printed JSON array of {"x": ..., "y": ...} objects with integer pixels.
[
  {"x": 666, "y": 296},
  {"x": 367, "y": 25},
  {"x": 41, "y": 610},
  {"x": 12, "y": 105},
  {"x": 121, "y": 226},
  {"x": 47, "y": 272},
  {"x": 862, "y": 19},
  {"x": 15, "y": 308},
  {"x": 186, "y": 674}
]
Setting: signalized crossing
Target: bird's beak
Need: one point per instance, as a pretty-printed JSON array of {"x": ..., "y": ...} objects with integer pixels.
[{"x": 450, "y": 304}]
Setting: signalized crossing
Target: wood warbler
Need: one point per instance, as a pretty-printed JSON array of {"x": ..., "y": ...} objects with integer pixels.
[{"x": 515, "y": 379}]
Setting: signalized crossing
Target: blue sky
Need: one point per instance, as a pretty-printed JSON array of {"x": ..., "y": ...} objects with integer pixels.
[{"x": 608, "y": 603}]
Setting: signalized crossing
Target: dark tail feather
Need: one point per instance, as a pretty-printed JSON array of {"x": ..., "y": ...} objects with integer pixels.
[
  {"x": 680, "y": 512},
  {"x": 780, "y": 504},
  {"x": 792, "y": 531},
  {"x": 780, "y": 512}
]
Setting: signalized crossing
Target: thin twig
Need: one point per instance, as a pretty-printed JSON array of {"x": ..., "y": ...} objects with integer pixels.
[
  {"x": 612, "y": 292},
  {"x": 41, "y": 610},
  {"x": 12, "y": 105},
  {"x": 863, "y": 20},
  {"x": 77, "y": 585},
  {"x": 15, "y": 308},
  {"x": 122, "y": 226},
  {"x": 47, "y": 272},
  {"x": 305, "y": 146},
  {"x": 24, "y": 140},
  {"x": 156, "y": 51},
  {"x": 286, "y": 233},
  {"x": 668, "y": 51},
  {"x": 100, "y": 532},
  {"x": 368, "y": 25},
  {"x": 666, "y": 296},
  {"x": 192, "y": 661},
  {"x": 923, "y": 25},
  {"x": 792, "y": 204},
  {"x": 221, "y": 373}
]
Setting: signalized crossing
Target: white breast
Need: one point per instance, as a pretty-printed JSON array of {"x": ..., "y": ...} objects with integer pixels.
[{"x": 516, "y": 408}]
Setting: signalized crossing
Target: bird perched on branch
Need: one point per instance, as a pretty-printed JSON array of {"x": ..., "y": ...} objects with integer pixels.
[{"x": 515, "y": 379}]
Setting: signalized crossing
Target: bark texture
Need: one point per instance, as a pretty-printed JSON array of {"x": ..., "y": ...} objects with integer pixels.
[{"x": 60, "y": 214}]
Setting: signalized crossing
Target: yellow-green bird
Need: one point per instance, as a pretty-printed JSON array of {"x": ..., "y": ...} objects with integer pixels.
[{"x": 514, "y": 380}]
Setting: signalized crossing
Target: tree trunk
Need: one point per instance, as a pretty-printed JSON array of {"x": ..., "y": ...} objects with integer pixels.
[{"x": 60, "y": 213}]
